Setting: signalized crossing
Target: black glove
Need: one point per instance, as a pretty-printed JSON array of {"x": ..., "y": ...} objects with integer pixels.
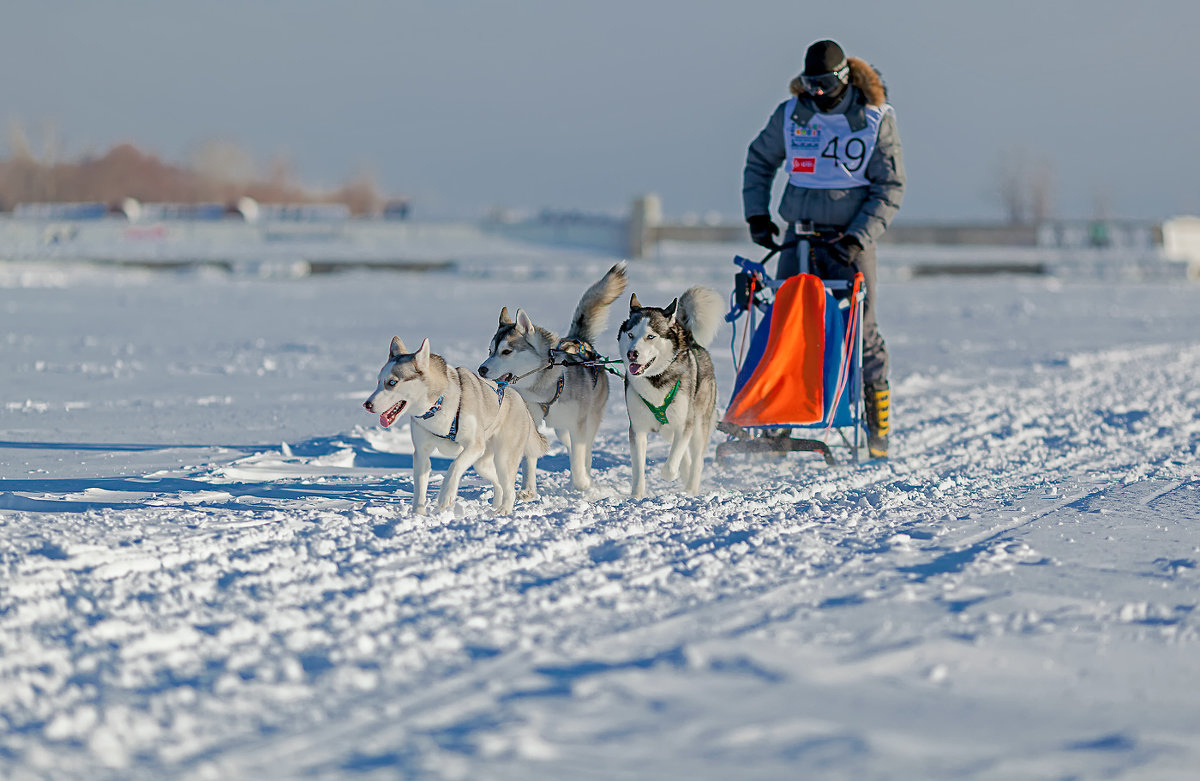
[
  {"x": 845, "y": 250},
  {"x": 762, "y": 230}
]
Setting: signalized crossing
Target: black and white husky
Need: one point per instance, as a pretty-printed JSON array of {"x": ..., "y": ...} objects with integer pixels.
[
  {"x": 570, "y": 397},
  {"x": 670, "y": 386},
  {"x": 460, "y": 415}
]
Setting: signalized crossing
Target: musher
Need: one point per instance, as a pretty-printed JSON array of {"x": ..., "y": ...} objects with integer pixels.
[{"x": 837, "y": 135}]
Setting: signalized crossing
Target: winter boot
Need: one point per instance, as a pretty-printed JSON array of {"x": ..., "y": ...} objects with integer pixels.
[{"x": 878, "y": 403}]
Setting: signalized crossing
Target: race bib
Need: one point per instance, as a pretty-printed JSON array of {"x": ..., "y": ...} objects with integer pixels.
[{"x": 825, "y": 153}]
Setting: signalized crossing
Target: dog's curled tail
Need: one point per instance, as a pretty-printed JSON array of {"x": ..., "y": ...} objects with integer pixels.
[
  {"x": 701, "y": 311},
  {"x": 592, "y": 312}
]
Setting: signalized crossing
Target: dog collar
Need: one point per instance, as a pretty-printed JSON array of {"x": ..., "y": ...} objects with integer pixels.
[
  {"x": 437, "y": 405},
  {"x": 660, "y": 412}
]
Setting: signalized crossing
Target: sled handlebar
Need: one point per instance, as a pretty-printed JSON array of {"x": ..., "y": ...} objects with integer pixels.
[
  {"x": 756, "y": 270},
  {"x": 778, "y": 248}
]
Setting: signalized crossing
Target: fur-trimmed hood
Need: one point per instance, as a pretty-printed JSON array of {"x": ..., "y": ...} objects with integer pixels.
[{"x": 862, "y": 75}]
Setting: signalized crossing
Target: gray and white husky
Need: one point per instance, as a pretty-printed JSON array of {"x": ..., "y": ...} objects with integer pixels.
[
  {"x": 570, "y": 397},
  {"x": 460, "y": 415},
  {"x": 670, "y": 386}
]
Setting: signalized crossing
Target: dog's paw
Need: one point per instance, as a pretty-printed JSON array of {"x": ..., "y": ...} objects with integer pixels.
[
  {"x": 527, "y": 494},
  {"x": 582, "y": 484},
  {"x": 419, "y": 509},
  {"x": 668, "y": 473}
]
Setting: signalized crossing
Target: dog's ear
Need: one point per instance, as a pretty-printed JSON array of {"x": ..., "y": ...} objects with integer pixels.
[
  {"x": 397, "y": 349},
  {"x": 422, "y": 357},
  {"x": 670, "y": 310},
  {"x": 524, "y": 324},
  {"x": 504, "y": 318},
  {"x": 634, "y": 303}
]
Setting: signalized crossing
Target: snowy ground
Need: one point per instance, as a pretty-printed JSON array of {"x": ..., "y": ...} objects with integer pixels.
[{"x": 209, "y": 568}]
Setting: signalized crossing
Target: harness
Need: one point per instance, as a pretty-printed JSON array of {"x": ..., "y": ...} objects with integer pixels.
[
  {"x": 501, "y": 385},
  {"x": 587, "y": 358},
  {"x": 437, "y": 405},
  {"x": 558, "y": 389},
  {"x": 660, "y": 412}
]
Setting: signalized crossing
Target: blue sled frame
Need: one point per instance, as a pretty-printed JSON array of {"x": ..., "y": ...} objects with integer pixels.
[{"x": 847, "y": 420}]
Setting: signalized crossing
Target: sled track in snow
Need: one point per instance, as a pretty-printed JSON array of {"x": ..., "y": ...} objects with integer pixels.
[{"x": 268, "y": 603}]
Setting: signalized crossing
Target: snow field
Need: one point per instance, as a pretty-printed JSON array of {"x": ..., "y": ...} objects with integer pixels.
[{"x": 211, "y": 570}]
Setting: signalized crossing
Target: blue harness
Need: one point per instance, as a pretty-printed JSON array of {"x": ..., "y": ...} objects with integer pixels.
[{"x": 437, "y": 405}]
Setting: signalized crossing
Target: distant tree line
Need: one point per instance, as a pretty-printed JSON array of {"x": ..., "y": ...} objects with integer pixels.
[{"x": 220, "y": 172}]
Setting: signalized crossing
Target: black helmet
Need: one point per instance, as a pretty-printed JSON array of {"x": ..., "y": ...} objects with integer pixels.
[{"x": 826, "y": 70}]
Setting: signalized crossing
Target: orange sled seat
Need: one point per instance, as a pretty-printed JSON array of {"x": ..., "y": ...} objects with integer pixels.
[
  {"x": 803, "y": 368},
  {"x": 785, "y": 386}
]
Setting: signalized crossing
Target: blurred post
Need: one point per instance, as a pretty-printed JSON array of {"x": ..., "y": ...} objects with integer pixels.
[
  {"x": 644, "y": 219},
  {"x": 1181, "y": 243}
]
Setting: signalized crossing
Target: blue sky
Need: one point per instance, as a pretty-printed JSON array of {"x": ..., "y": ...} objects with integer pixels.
[{"x": 469, "y": 105}]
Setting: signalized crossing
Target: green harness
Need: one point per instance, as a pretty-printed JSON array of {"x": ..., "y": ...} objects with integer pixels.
[{"x": 660, "y": 413}]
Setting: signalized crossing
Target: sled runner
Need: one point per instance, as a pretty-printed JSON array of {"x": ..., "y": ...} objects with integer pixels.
[{"x": 802, "y": 371}]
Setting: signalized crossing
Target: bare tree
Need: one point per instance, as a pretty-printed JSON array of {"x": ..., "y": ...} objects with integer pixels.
[
  {"x": 18, "y": 141},
  {"x": 223, "y": 161},
  {"x": 1025, "y": 187},
  {"x": 1010, "y": 188},
  {"x": 1102, "y": 201},
  {"x": 1041, "y": 192},
  {"x": 361, "y": 195}
]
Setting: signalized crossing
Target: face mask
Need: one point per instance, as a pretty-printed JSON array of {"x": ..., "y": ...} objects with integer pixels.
[{"x": 828, "y": 100}]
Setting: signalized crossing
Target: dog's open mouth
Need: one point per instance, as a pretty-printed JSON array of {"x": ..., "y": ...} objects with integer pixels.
[
  {"x": 637, "y": 368},
  {"x": 389, "y": 417},
  {"x": 506, "y": 377}
]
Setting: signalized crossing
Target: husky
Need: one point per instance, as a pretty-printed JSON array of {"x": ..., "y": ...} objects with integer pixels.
[
  {"x": 670, "y": 386},
  {"x": 460, "y": 415},
  {"x": 547, "y": 371}
]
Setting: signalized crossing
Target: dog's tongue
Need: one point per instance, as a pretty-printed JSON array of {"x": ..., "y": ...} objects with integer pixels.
[
  {"x": 636, "y": 368},
  {"x": 389, "y": 417}
]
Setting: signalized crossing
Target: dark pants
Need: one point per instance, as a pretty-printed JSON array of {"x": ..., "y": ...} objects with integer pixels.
[{"x": 875, "y": 357}]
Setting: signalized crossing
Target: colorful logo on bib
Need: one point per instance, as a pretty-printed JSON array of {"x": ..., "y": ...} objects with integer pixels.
[
  {"x": 806, "y": 136},
  {"x": 804, "y": 165}
]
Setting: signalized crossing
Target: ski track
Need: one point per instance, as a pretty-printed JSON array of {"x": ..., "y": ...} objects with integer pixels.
[{"x": 256, "y": 609}]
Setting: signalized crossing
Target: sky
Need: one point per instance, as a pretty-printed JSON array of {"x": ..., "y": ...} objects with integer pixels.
[{"x": 464, "y": 106}]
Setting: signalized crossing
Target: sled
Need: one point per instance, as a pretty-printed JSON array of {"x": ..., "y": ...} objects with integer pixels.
[{"x": 799, "y": 383}]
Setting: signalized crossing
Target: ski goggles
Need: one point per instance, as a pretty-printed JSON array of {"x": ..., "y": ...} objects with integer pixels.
[{"x": 825, "y": 82}]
